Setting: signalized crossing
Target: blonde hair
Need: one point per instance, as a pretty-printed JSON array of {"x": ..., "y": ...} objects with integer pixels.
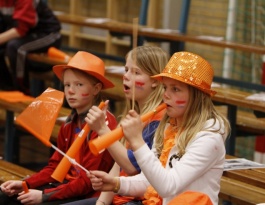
[
  {"x": 151, "y": 60},
  {"x": 199, "y": 109}
]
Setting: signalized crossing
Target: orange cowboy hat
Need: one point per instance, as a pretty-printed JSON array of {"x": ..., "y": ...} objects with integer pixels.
[
  {"x": 191, "y": 69},
  {"x": 191, "y": 198},
  {"x": 88, "y": 63}
]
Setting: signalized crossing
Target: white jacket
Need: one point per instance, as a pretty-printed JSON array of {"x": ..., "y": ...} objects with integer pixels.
[{"x": 199, "y": 169}]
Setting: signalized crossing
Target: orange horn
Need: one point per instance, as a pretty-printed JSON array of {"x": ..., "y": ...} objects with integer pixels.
[
  {"x": 56, "y": 53},
  {"x": 64, "y": 165},
  {"x": 98, "y": 145}
]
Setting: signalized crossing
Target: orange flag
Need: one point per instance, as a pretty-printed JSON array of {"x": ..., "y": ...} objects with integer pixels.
[{"x": 40, "y": 116}]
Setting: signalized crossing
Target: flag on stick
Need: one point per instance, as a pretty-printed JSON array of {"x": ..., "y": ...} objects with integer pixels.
[{"x": 40, "y": 116}]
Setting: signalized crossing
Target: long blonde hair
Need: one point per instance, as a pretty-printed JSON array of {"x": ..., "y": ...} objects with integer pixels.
[
  {"x": 151, "y": 60},
  {"x": 199, "y": 109}
]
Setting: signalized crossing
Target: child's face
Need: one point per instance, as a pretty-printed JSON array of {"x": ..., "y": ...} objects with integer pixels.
[
  {"x": 134, "y": 76},
  {"x": 176, "y": 96},
  {"x": 79, "y": 90}
]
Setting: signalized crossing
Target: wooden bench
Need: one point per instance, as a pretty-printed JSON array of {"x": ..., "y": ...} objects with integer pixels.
[
  {"x": 243, "y": 187},
  {"x": 236, "y": 100},
  {"x": 10, "y": 171},
  {"x": 175, "y": 36},
  {"x": 246, "y": 122},
  {"x": 241, "y": 193}
]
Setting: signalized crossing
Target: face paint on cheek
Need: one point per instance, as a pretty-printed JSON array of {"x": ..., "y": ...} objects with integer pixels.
[
  {"x": 181, "y": 103},
  {"x": 139, "y": 84}
]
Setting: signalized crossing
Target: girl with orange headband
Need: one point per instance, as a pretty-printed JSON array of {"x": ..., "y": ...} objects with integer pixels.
[{"x": 188, "y": 151}]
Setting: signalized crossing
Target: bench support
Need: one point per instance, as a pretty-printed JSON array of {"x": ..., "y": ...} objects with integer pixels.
[
  {"x": 9, "y": 136},
  {"x": 231, "y": 140}
]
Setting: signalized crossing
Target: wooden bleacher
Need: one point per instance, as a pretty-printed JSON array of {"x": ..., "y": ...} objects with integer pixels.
[
  {"x": 127, "y": 28},
  {"x": 246, "y": 122},
  {"x": 10, "y": 171},
  {"x": 240, "y": 193},
  {"x": 242, "y": 187}
]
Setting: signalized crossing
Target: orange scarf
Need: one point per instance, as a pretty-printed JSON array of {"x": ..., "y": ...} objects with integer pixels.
[{"x": 151, "y": 196}]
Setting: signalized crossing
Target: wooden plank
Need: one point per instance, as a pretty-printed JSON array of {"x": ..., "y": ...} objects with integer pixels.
[
  {"x": 10, "y": 171},
  {"x": 246, "y": 121},
  {"x": 249, "y": 176},
  {"x": 243, "y": 186},
  {"x": 237, "y": 98},
  {"x": 127, "y": 28},
  {"x": 241, "y": 193}
]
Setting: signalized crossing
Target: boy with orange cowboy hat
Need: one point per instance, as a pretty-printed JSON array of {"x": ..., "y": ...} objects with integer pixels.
[{"x": 83, "y": 79}]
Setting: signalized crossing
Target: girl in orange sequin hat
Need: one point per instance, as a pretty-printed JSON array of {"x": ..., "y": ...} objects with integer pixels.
[{"x": 188, "y": 151}]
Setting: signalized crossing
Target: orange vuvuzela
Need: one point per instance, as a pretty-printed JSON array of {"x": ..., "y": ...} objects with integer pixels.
[
  {"x": 98, "y": 145},
  {"x": 64, "y": 165}
]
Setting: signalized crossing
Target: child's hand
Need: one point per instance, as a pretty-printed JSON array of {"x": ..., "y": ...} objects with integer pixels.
[
  {"x": 96, "y": 119},
  {"x": 11, "y": 187},
  {"x": 132, "y": 127},
  {"x": 101, "y": 181},
  {"x": 32, "y": 197}
]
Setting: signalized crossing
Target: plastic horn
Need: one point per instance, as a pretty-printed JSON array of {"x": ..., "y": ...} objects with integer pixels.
[
  {"x": 25, "y": 187},
  {"x": 64, "y": 165},
  {"x": 56, "y": 53},
  {"x": 104, "y": 141}
]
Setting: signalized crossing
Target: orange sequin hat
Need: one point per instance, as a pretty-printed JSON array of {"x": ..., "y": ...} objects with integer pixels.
[{"x": 191, "y": 69}]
